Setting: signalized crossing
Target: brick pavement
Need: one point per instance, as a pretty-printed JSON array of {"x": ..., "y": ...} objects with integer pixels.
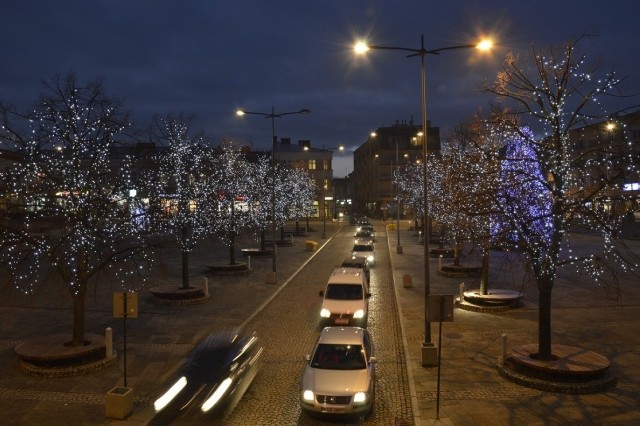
[{"x": 471, "y": 390}]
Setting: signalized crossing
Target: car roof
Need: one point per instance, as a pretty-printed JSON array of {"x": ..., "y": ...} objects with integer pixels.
[
  {"x": 341, "y": 335},
  {"x": 354, "y": 262},
  {"x": 345, "y": 275},
  {"x": 363, "y": 246}
]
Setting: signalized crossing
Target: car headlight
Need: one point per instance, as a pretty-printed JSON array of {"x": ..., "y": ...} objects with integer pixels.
[
  {"x": 217, "y": 394},
  {"x": 168, "y": 396},
  {"x": 370, "y": 258},
  {"x": 359, "y": 313},
  {"x": 325, "y": 313},
  {"x": 308, "y": 396},
  {"x": 360, "y": 398}
]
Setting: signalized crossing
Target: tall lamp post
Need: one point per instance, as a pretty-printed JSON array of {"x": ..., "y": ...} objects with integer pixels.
[
  {"x": 271, "y": 278},
  {"x": 324, "y": 193},
  {"x": 399, "y": 249},
  {"x": 429, "y": 351}
]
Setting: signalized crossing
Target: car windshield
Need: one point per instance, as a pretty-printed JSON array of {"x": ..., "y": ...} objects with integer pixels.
[
  {"x": 362, "y": 247},
  {"x": 344, "y": 291},
  {"x": 363, "y": 234},
  {"x": 339, "y": 357}
]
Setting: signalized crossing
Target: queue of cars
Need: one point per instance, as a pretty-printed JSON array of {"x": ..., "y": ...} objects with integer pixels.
[{"x": 339, "y": 378}]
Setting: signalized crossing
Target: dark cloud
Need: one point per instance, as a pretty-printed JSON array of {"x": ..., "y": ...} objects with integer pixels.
[{"x": 210, "y": 57}]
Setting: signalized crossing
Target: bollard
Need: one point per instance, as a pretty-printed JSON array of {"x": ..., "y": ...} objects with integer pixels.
[
  {"x": 108, "y": 340},
  {"x": 206, "y": 287},
  {"x": 504, "y": 348},
  {"x": 249, "y": 262},
  {"x": 440, "y": 263},
  {"x": 461, "y": 286}
]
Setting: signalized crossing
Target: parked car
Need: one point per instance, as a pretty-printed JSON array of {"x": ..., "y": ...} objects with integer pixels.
[
  {"x": 359, "y": 263},
  {"x": 339, "y": 379},
  {"x": 212, "y": 380},
  {"x": 366, "y": 227},
  {"x": 365, "y": 251},
  {"x": 345, "y": 299},
  {"x": 363, "y": 237}
]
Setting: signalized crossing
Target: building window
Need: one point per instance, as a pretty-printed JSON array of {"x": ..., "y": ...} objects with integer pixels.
[
  {"x": 312, "y": 164},
  {"x": 326, "y": 165}
]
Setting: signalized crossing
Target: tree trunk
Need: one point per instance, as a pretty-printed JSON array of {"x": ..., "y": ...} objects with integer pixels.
[
  {"x": 78, "y": 316},
  {"x": 185, "y": 269},
  {"x": 484, "y": 274},
  {"x": 457, "y": 249},
  {"x": 232, "y": 248},
  {"x": 263, "y": 239},
  {"x": 544, "y": 318}
]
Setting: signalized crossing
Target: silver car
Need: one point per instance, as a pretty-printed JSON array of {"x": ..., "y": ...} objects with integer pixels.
[
  {"x": 340, "y": 377},
  {"x": 364, "y": 250}
]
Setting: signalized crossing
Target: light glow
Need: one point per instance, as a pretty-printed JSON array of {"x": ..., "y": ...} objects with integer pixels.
[
  {"x": 217, "y": 394},
  {"x": 168, "y": 396}
]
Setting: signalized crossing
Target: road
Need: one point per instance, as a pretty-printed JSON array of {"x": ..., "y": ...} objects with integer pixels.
[{"x": 288, "y": 327}]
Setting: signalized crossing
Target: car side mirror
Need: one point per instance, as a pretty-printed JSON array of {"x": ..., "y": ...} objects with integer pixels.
[
  {"x": 368, "y": 295},
  {"x": 307, "y": 357},
  {"x": 321, "y": 293},
  {"x": 373, "y": 360}
]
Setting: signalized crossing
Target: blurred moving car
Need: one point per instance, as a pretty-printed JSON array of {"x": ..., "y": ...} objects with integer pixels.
[
  {"x": 340, "y": 377},
  {"x": 360, "y": 263},
  {"x": 345, "y": 299},
  {"x": 212, "y": 380},
  {"x": 365, "y": 251}
]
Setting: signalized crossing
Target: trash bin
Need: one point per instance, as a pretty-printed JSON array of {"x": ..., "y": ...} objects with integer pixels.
[
  {"x": 310, "y": 245},
  {"x": 407, "y": 281}
]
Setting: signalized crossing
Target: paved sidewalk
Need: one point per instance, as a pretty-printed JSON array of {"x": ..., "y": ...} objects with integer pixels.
[{"x": 471, "y": 390}]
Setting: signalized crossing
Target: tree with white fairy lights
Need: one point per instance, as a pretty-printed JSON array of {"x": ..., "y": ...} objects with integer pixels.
[
  {"x": 229, "y": 186},
  {"x": 259, "y": 198},
  {"x": 73, "y": 203},
  {"x": 179, "y": 189},
  {"x": 300, "y": 189},
  {"x": 558, "y": 94}
]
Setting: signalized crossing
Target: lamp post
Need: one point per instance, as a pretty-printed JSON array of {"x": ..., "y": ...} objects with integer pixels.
[
  {"x": 324, "y": 193},
  {"x": 271, "y": 278},
  {"x": 429, "y": 351},
  {"x": 399, "y": 249}
]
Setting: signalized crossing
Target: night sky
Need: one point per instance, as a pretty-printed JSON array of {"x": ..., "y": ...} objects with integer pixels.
[{"x": 208, "y": 58}]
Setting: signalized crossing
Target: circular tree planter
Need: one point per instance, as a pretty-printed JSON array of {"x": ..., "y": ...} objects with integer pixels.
[
  {"x": 53, "y": 356},
  {"x": 174, "y": 295},
  {"x": 459, "y": 271},
  {"x": 571, "y": 370},
  {"x": 238, "y": 268},
  {"x": 495, "y": 300}
]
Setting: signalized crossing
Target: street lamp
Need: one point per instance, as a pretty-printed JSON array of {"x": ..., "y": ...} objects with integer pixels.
[
  {"x": 271, "y": 278},
  {"x": 398, "y": 246},
  {"x": 429, "y": 351},
  {"x": 324, "y": 193}
]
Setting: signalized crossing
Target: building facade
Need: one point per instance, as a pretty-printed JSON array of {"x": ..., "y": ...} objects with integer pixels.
[
  {"x": 318, "y": 163},
  {"x": 374, "y": 162}
]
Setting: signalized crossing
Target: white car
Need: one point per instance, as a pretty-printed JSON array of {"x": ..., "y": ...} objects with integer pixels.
[
  {"x": 339, "y": 379},
  {"x": 345, "y": 299}
]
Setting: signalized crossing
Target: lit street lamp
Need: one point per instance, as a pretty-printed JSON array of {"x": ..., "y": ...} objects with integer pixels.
[
  {"x": 429, "y": 351},
  {"x": 271, "y": 279}
]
